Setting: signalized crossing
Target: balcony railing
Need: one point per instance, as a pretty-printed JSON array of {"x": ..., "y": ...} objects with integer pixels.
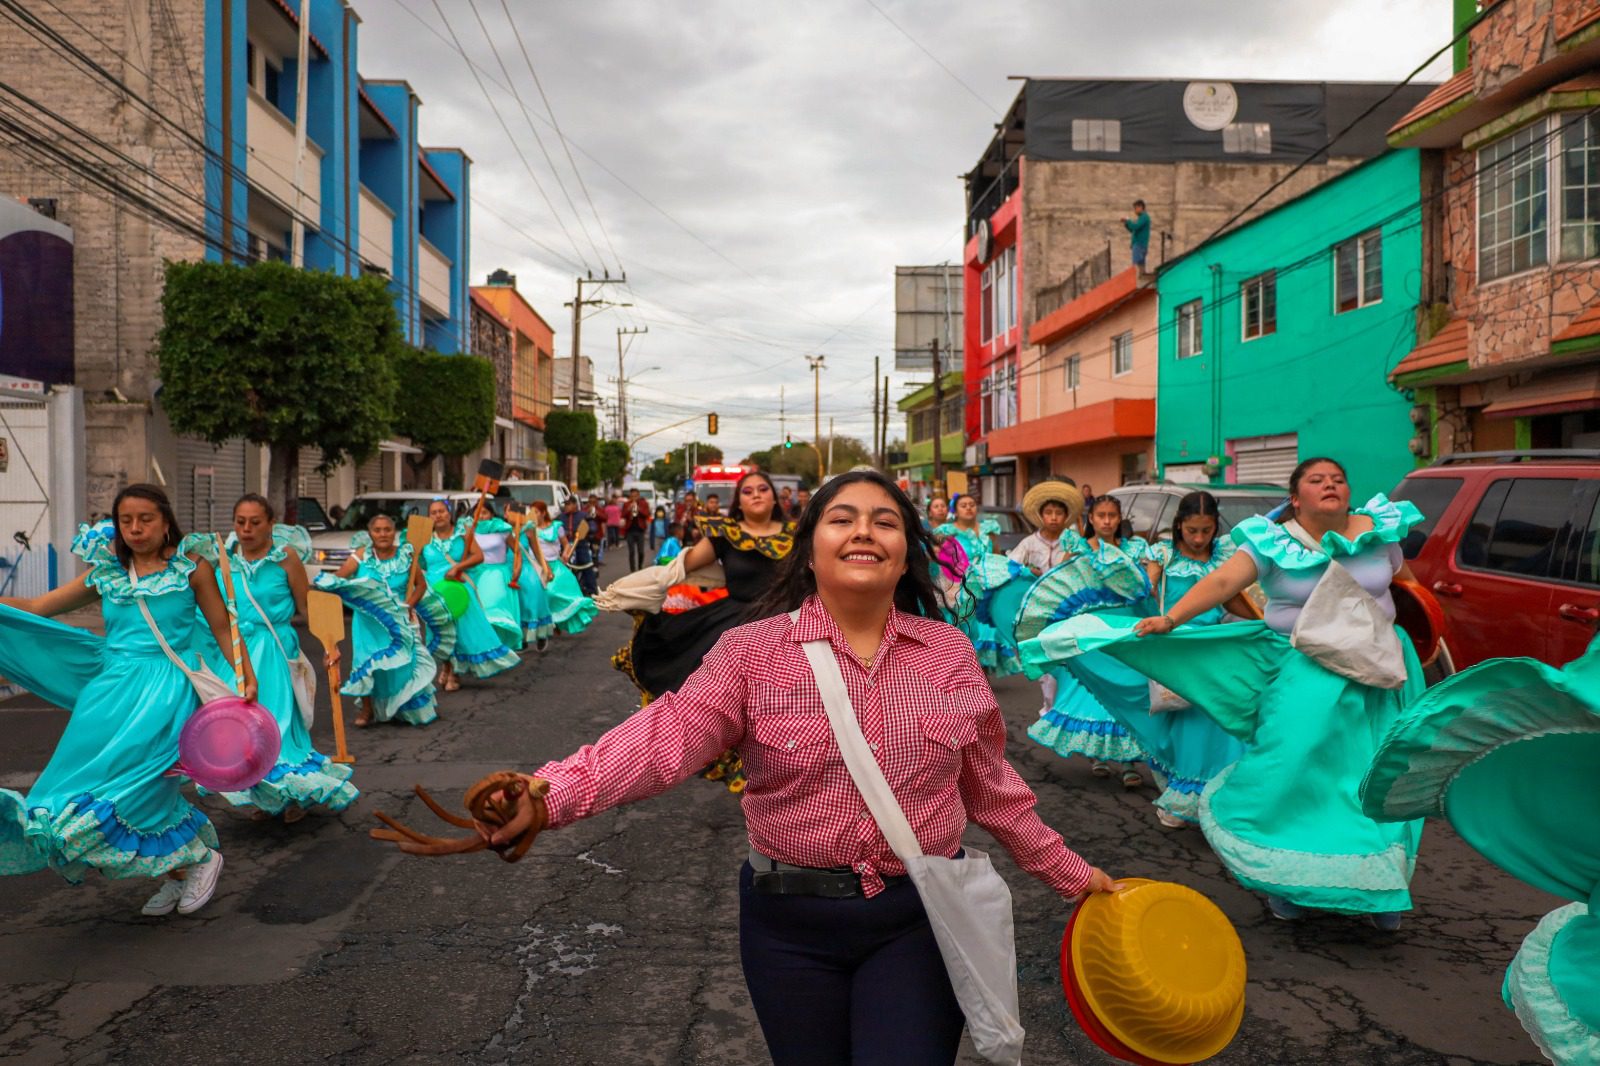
[
  {"x": 433, "y": 281},
  {"x": 989, "y": 201},
  {"x": 269, "y": 135},
  {"x": 377, "y": 232},
  {"x": 1093, "y": 271}
]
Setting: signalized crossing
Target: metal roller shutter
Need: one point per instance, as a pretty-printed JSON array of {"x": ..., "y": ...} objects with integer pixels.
[
  {"x": 208, "y": 482},
  {"x": 369, "y": 475},
  {"x": 1265, "y": 460},
  {"x": 312, "y": 483}
]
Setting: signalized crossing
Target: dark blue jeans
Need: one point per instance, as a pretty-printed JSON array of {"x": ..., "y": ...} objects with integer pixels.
[{"x": 847, "y": 982}]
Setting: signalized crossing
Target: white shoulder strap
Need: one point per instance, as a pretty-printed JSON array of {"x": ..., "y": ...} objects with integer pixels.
[
  {"x": 244, "y": 580},
  {"x": 864, "y": 769},
  {"x": 1298, "y": 532},
  {"x": 161, "y": 640}
]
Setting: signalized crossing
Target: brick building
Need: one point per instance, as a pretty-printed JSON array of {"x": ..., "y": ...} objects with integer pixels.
[
  {"x": 1508, "y": 352},
  {"x": 1047, "y": 195}
]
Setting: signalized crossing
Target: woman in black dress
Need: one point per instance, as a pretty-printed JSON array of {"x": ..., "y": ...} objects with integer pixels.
[{"x": 749, "y": 541}]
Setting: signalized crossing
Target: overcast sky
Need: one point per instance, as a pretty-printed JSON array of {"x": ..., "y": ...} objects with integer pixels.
[{"x": 760, "y": 168}]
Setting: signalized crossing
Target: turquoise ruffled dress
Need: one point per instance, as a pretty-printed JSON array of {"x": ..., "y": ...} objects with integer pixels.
[
  {"x": 1096, "y": 696},
  {"x": 104, "y": 800},
  {"x": 1285, "y": 818},
  {"x": 1508, "y": 752},
  {"x": 996, "y": 654},
  {"x": 492, "y": 579},
  {"x": 479, "y": 651},
  {"x": 1186, "y": 748},
  {"x": 391, "y": 662},
  {"x": 570, "y": 609},
  {"x": 303, "y": 776},
  {"x": 533, "y": 601}
]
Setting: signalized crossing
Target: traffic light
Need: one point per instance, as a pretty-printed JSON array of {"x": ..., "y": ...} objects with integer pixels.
[
  {"x": 711, "y": 424},
  {"x": 787, "y": 442}
]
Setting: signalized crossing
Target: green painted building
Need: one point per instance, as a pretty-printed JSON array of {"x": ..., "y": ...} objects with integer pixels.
[
  {"x": 1277, "y": 338},
  {"x": 924, "y": 422}
]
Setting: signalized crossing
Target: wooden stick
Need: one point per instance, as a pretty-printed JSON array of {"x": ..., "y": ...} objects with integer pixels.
[
  {"x": 233, "y": 610},
  {"x": 325, "y": 618},
  {"x": 516, "y": 546}
]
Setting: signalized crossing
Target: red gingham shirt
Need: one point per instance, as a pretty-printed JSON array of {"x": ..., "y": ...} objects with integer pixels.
[{"x": 927, "y": 712}]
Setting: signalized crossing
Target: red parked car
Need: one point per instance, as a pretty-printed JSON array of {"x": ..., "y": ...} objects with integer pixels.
[{"x": 1511, "y": 547}]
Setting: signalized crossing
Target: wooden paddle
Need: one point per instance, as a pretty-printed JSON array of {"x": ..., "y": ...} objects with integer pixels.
[
  {"x": 419, "y": 530},
  {"x": 486, "y": 484},
  {"x": 517, "y": 519},
  {"x": 233, "y": 611},
  {"x": 325, "y": 618}
]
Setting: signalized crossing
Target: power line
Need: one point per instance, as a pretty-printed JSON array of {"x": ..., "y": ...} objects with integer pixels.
[{"x": 937, "y": 61}]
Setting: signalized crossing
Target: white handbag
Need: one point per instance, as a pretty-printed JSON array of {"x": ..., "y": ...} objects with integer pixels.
[
  {"x": 1342, "y": 628},
  {"x": 1162, "y": 698},
  {"x": 968, "y": 903},
  {"x": 302, "y": 675}
]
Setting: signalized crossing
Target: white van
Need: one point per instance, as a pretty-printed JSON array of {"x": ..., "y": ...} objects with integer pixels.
[
  {"x": 647, "y": 491},
  {"x": 553, "y": 493}
]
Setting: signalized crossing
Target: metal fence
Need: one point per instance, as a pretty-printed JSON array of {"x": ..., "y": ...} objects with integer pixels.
[{"x": 1096, "y": 270}]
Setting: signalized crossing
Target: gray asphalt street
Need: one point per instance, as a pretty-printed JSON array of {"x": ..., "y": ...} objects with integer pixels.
[{"x": 615, "y": 941}]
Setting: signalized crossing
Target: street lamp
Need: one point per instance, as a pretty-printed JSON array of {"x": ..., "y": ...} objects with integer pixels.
[{"x": 816, "y": 363}]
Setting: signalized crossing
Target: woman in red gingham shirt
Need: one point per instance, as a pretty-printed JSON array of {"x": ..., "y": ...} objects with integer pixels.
[{"x": 838, "y": 953}]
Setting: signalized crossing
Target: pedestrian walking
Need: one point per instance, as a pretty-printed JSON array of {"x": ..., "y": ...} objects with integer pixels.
[
  {"x": 659, "y": 523},
  {"x": 599, "y": 530},
  {"x": 1138, "y": 228},
  {"x": 266, "y": 562},
  {"x": 614, "y": 521},
  {"x": 802, "y": 499},
  {"x": 938, "y": 513},
  {"x": 671, "y": 545},
  {"x": 393, "y": 662},
  {"x": 635, "y": 528},
  {"x": 713, "y": 506},
  {"x": 579, "y": 553},
  {"x": 105, "y": 800},
  {"x": 1111, "y": 578},
  {"x": 838, "y": 952},
  {"x": 545, "y": 541},
  {"x": 479, "y": 651},
  {"x": 1286, "y": 818}
]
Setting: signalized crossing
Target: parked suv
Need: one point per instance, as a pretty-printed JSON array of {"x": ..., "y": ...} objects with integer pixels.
[
  {"x": 330, "y": 549},
  {"x": 1149, "y": 509},
  {"x": 1509, "y": 547}
]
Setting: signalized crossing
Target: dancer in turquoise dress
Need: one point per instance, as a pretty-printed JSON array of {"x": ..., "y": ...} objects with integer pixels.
[
  {"x": 995, "y": 654},
  {"x": 393, "y": 665},
  {"x": 1507, "y": 752},
  {"x": 269, "y": 589},
  {"x": 1186, "y": 748},
  {"x": 491, "y": 578},
  {"x": 104, "y": 800},
  {"x": 479, "y": 651},
  {"x": 571, "y": 610},
  {"x": 1095, "y": 695},
  {"x": 528, "y": 579},
  {"x": 1285, "y": 818}
]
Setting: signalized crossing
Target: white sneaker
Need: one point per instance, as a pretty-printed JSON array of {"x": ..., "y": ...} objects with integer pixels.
[
  {"x": 165, "y": 899},
  {"x": 200, "y": 883},
  {"x": 1170, "y": 820}
]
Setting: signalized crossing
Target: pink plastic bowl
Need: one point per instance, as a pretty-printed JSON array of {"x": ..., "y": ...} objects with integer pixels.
[{"x": 228, "y": 745}]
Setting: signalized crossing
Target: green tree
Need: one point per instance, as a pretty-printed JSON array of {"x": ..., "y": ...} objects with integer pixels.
[
  {"x": 589, "y": 470},
  {"x": 572, "y": 435},
  {"x": 801, "y": 458},
  {"x": 280, "y": 357},
  {"x": 611, "y": 458},
  {"x": 669, "y": 469},
  {"x": 444, "y": 405}
]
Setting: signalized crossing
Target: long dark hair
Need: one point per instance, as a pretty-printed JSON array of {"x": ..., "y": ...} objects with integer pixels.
[
  {"x": 914, "y": 594},
  {"x": 1196, "y": 505},
  {"x": 736, "y": 512},
  {"x": 1299, "y": 473},
  {"x": 150, "y": 494}
]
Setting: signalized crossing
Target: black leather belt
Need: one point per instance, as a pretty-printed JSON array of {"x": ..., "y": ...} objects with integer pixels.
[{"x": 774, "y": 878}]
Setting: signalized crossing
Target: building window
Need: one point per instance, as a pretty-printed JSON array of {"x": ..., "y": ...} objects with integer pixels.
[
  {"x": 1069, "y": 373},
  {"x": 252, "y": 76},
  {"x": 985, "y": 405},
  {"x": 1191, "y": 327},
  {"x": 1247, "y": 138},
  {"x": 955, "y": 414},
  {"x": 1580, "y": 187},
  {"x": 1513, "y": 214},
  {"x": 1258, "y": 298},
  {"x": 999, "y": 296},
  {"x": 986, "y": 305},
  {"x": 1096, "y": 135},
  {"x": 1358, "y": 271},
  {"x": 1121, "y": 354}
]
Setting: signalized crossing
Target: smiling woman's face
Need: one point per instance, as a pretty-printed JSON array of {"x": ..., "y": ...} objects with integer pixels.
[{"x": 860, "y": 543}]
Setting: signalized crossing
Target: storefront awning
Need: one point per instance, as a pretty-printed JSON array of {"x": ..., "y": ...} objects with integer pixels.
[
  {"x": 1441, "y": 353},
  {"x": 1574, "y": 390}
]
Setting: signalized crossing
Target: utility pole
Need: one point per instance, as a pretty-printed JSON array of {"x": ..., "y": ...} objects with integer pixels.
[
  {"x": 577, "y": 305},
  {"x": 622, "y": 383},
  {"x": 297, "y": 254},
  {"x": 877, "y": 450},
  {"x": 816, "y": 363},
  {"x": 783, "y": 427},
  {"x": 883, "y": 441},
  {"x": 938, "y": 421},
  {"x": 830, "y": 438}
]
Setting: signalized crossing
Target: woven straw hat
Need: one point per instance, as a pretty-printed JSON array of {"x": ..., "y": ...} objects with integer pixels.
[{"x": 1057, "y": 490}]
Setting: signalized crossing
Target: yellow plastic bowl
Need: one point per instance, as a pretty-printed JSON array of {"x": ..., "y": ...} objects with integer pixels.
[{"x": 1162, "y": 968}]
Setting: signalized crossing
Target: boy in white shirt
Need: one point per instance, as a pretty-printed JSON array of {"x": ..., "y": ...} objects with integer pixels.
[{"x": 1053, "y": 508}]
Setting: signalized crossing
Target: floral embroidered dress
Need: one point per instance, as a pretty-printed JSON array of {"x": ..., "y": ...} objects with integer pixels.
[
  {"x": 479, "y": 651},
  {"x": 303, "y": 776},
  {"x": 570, "y": 609},
  {"x": 104, "y": 800},
  {"x": 392, "y": 661},
  {"x": 1285, "y": 818},
  {"x": 1095, "y": 695}
]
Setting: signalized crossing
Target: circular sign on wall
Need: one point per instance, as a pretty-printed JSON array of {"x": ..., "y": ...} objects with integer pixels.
[
  {"x": 985, "y": 241},
  {"x": 1210, "y": 105}
]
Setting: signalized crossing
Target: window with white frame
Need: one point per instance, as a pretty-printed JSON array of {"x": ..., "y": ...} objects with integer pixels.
[
  {"x": 1358, "y": 272},
  {"x": 1191, "y": 329},
  {"x": 1096, "y": 135},
  {"x": 999, "y": 392},
  {"x": 1513, "y": 208},
  {"x": 1121, "y": 354},
  {"x": 1069, "y": 373},
  {"x": 1258, "y": 302},
  {"x": 986, "y": 305},
  {"x": 1247, "y": 138},
  {"x": 1580, "y": 187},
  {"x": 986, "y": 404}
]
